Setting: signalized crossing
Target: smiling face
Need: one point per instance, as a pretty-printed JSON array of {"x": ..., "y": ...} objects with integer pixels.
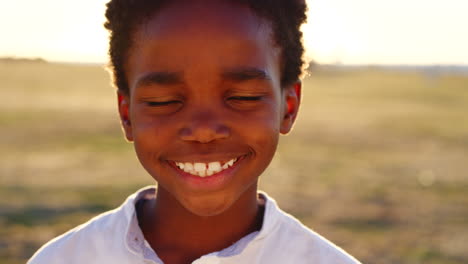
[{"x": 205, "y": 108}]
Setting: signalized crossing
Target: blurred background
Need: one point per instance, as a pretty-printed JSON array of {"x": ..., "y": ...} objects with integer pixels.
[{"x": 377, "y": 162}]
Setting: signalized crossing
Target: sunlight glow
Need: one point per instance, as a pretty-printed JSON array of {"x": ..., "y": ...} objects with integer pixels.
[
  {"x": 339, "y": 31},
  {"x": 55, "y": 30},
  {"x": 390, "y": 32}
]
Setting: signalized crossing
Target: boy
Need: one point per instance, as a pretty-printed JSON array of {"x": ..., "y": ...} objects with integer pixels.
[{"x": 205, "y": 87}]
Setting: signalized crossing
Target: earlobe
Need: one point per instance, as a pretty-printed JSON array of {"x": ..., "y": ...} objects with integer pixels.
[
  {"x": 291, "y": 99},
  {"x": 123, "y": 104}
]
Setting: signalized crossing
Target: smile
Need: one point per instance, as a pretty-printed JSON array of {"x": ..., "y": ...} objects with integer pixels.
[{"x": 202, "y": 169}]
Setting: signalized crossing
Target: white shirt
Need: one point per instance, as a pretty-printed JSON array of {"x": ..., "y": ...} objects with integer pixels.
[{"x": 115, "y": 237}]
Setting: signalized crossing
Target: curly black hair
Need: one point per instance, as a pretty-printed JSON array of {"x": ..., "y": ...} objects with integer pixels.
[{"x": 285, "y": 16}]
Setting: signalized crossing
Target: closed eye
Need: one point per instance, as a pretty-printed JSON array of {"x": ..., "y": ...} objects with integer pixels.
[
  {"x": 163, "y": 103},
  {"x": 245, "y": 98}
]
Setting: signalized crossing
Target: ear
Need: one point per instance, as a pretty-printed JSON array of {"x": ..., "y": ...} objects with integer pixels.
[
  {"x": 124, "y": 105},
  {"x": 291, "y": 100}
]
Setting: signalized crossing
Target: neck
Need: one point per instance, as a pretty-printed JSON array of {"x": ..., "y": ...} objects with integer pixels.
[{"x": 167, "y": 225}]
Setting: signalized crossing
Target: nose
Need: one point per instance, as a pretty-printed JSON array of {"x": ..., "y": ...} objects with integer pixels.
[{"x": 204, "y": 127}]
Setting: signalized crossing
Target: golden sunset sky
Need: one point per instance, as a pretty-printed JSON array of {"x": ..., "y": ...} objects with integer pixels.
[{"x": 345, "y": 31}]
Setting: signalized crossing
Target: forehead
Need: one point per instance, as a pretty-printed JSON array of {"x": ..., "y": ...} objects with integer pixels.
[
  {"x": 200, "y": 38},
  {"x": 201, "y": 41},
  {"x": 205, "y": 20},
  {"x": 203, "y": 16}
]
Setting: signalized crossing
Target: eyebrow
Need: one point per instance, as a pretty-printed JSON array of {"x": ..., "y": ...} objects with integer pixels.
[
  {"x": 160, "y": 78},
  {"x": 245, "y": 74},
  {"x": 174, "y": 78}
]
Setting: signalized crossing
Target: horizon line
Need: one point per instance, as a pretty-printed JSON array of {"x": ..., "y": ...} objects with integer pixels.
[{"x": 311, "y": 62}]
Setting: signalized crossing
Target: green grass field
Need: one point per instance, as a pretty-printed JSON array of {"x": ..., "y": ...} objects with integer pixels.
[{"x": 377, "y": 162}]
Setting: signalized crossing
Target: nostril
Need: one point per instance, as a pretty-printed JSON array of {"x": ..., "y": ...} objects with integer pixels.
[
  {"x": 204, "y": 133},
  {"x": 223, "y": 131},
  {"x": 185, "y": 133}
]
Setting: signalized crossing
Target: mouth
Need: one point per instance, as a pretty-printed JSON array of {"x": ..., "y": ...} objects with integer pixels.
[{"x": 205, "y": 169}]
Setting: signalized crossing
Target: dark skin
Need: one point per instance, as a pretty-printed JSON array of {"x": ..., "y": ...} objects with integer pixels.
[
  {"x": 204, "y": 90},
  {"x": 202, "y": 236}
]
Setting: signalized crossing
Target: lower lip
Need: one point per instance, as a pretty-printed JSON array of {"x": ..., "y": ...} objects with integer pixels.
[{"x": 215, "y": 181}]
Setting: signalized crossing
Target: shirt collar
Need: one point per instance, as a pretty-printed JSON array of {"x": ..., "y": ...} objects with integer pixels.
[
  {"x": 134, "y": 238},
  {"x": 136, "y": 243},
  {"x": 271, "y": 217}
]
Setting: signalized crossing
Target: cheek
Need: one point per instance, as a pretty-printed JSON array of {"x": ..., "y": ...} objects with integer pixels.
[
  {"x": 151, "y": 136},
  {"x": 267, "y": 139},
  {"x": 262, "y": 131},
  {"x": 148, "y": 127}
]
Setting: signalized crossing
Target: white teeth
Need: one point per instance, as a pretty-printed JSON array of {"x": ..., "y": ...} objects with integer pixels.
[
  {"x": 199, "y": 167},
  {"x": 186, "y": 166},
  {"x": 214, "y": 166},
  {"x": 204, "y": 169}
]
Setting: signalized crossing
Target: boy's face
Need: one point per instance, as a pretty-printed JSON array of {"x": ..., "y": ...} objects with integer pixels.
[{"x": 204, "y": 92}]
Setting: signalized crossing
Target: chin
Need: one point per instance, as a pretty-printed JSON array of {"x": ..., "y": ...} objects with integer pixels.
[{"x": 207, "y": 207}]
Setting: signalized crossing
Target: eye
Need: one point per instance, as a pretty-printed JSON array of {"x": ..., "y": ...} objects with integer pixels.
[
  {"x": 245, "y": 102},
  {"x": 245, "y": 98},
  {"x": 162, "y": 103}
]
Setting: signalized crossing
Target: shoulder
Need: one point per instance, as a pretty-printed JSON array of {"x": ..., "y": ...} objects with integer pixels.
[
  {"x": 94, "y": 241},
  {"x": 299, "y": 243},
  {"x": 311, "y": 244},
  {"x": 81, "y": 239}
]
